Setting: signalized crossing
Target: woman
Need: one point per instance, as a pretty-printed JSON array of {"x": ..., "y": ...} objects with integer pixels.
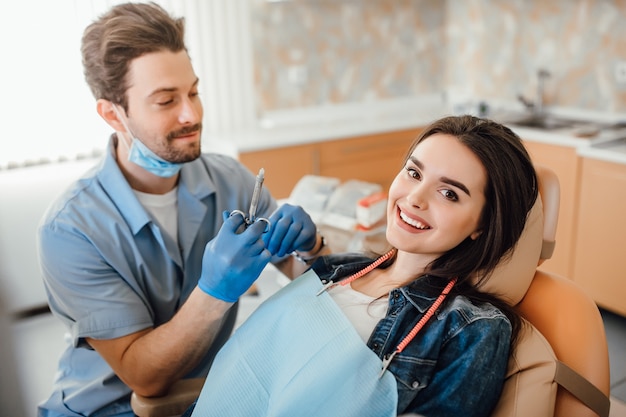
[{"x": 455, "y": 210}]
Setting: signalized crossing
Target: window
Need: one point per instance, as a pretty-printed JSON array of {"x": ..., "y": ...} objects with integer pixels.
[{"x": 49, "y": 113}]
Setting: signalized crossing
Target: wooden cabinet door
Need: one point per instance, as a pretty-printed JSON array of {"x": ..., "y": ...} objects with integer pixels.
[
  {"x": 600, "y": 250},
  {"x": 283, "y": 166},
  {"x": 565, "y": 162},
  {"x": 373, "y": 158}
]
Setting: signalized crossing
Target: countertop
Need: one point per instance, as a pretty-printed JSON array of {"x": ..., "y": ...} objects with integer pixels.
[
  {"x": 298, "y": 127},
  {"x": 587, "y": 147},
  {"x": 607, "y": 145}
]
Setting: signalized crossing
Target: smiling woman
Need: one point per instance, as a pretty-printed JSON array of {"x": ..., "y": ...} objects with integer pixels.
[
  {"x": 52, "y": 113},
  {"x": 408, "y": 331},
  {"x": 431, "y": 181}
]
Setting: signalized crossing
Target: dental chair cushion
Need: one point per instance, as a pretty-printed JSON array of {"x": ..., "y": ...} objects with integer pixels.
[
  {"x": 512, "y": 278},
  {"x": 529, "y": 389}
]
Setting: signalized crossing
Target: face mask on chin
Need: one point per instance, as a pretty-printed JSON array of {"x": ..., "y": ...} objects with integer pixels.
[{"x": 140, "y": 154}]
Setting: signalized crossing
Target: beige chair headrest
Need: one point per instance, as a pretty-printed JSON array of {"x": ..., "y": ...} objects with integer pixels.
[
  {"x": 511, "y": 279},
  {"x": 550, "y": 191}
]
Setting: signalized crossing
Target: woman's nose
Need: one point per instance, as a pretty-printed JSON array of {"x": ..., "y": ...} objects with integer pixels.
[{"x": 417, "y": 196}]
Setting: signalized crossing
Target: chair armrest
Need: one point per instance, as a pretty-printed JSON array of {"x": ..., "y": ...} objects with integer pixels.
[
  {"x": 180, "y": 396},
  {"x": 582, "y": 389}
]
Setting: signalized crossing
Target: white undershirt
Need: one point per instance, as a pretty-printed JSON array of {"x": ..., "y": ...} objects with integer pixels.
[
  {"x": 164, "y": 210},
  {"x": 363, "y": 311}
]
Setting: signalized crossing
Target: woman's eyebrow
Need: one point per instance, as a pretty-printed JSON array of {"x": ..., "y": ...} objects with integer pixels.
[
  {"x": 447, "y": 180},
  {"x": 416, "y": 161},
  {"x": 456, "y": 184}
]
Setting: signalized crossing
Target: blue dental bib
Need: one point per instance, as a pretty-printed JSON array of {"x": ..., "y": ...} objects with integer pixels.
[{"x": 297, "y": 355}]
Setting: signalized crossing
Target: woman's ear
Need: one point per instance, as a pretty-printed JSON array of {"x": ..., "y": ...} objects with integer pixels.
[
  {"x": 476, "y": 234},
  {"x": 109, "y": 113}
]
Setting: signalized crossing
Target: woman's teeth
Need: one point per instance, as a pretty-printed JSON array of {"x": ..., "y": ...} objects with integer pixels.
[{"x": 413, "y": 222}]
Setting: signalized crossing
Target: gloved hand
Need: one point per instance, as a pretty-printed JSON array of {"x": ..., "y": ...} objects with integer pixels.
[
  {"x": 232, "y": 261},
  {"x": 292, "y": 229}
]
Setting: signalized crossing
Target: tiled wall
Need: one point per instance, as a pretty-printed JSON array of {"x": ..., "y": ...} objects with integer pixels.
[
  {"x": 315, "y": 52},
  {"x": 498, "y": 49}
]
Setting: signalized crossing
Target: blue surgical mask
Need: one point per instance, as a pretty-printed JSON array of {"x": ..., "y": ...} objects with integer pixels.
[{"x": 141, "y": 155}]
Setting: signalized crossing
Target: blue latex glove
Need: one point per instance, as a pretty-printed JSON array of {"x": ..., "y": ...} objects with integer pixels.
[
  {"x": 232, "y": 261},
  {"x": 292, "y": 229}
]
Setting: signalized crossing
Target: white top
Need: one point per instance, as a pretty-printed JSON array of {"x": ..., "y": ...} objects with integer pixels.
[
  {"x": 163, "y": 209},
  {"x": 363, "y": 311}
]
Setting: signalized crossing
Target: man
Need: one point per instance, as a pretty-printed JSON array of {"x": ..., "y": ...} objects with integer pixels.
[{"x": 140, "y": 258}]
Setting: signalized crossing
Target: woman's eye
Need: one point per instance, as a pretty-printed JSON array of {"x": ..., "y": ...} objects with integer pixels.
[
  {"x": 165, "y": 103},
  {"x": 413, "y": 173},
  {"x": 450, "y": 195}
]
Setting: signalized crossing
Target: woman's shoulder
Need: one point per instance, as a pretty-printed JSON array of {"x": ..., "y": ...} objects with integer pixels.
[
  {"x": 472, "y": 310},
  {"x": 427, "y": 288},
  {"x": 461, "y": 313}
]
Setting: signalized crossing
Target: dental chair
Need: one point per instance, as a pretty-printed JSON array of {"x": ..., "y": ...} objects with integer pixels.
[{"x": 560, "y": 367}]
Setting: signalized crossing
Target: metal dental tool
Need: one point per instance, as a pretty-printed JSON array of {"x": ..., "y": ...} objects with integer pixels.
[{"x": 256, "y": 196}]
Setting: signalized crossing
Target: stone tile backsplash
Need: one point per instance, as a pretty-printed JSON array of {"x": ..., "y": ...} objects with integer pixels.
[{"x": 311, "y": 53}]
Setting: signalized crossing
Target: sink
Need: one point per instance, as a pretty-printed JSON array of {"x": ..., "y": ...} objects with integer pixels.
[
  {"x": 581, "y": 128},
  {"x": 543, "y": 121},
  {"x": 618, "y": 145}
]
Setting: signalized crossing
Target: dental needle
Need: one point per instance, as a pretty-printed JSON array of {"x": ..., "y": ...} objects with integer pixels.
[{"x": 256, "y": 195}]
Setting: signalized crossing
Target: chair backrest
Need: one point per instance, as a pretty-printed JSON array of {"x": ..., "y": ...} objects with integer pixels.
[
  {"x": 560, "y": 366},
  {"x": 570, "y": 321}
]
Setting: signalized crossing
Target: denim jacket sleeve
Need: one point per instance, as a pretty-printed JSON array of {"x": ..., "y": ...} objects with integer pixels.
[{"x": 469, "y": 372}]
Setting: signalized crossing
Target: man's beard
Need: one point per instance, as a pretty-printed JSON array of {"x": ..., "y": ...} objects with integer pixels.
[{"x": 182, "y": 155}]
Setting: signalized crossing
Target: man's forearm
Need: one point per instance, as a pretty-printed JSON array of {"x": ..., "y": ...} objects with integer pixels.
[{"x": 151, "y": 360}]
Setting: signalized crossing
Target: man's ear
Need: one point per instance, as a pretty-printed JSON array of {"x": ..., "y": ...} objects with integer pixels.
[{"x": 108, "y": 112}]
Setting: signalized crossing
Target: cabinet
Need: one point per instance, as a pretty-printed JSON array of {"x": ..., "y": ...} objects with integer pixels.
[
  {"x": 565, "y": 162},
  {"x": 283, "y": 166},
  {"x": 599, "y": 261},
  {"x": 374, "y": 158}
]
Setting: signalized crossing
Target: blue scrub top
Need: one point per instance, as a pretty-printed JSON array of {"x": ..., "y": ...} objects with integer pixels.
[{"x": 109, "y": 271}]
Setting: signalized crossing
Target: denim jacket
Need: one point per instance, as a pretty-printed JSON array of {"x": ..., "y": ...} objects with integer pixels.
[{"x": 456, "y": 364}]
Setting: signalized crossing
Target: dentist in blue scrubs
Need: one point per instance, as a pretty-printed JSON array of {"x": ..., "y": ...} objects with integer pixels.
[{"x": 141, "y": 258}]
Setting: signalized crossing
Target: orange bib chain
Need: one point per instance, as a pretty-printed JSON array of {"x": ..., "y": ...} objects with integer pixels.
[
  {"x": 407, "y": 339},
  {"x": 420, "y": 324}
]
